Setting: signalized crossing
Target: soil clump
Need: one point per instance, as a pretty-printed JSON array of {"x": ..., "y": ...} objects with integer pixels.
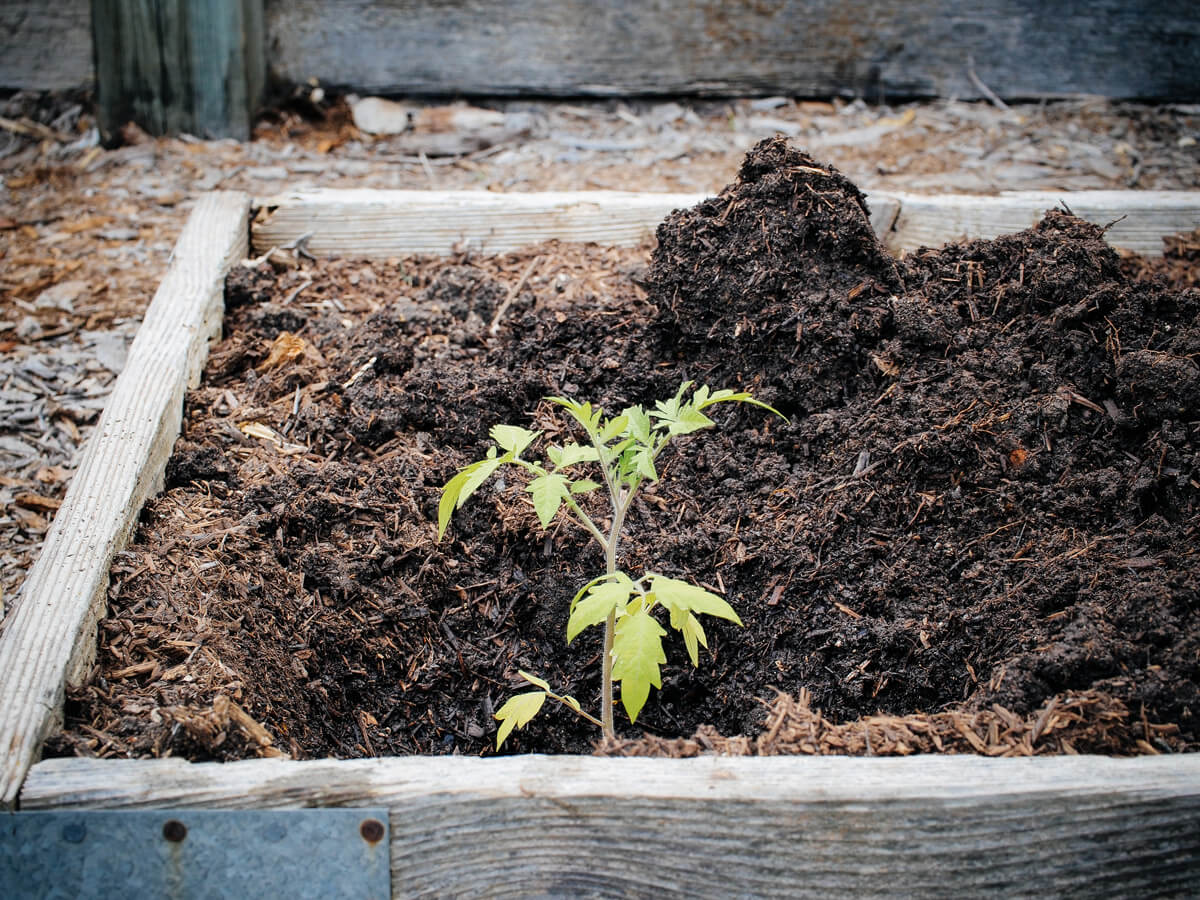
[{"x": 983, "y": 506}]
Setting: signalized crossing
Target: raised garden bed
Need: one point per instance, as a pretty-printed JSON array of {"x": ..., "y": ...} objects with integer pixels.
[{"x": 561, "y": 825}]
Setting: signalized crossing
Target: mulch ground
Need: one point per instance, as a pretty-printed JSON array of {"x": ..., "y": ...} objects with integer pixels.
[{"x": 975, "y": 532}]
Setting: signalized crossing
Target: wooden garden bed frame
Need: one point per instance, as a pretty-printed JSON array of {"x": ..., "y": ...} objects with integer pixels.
[{"x": 569, "y": 826}]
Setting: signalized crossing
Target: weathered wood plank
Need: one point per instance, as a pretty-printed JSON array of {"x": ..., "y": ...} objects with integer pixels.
[
  {"x": 380, "y": 224},
  {"x": 910, "y": 48},
  {"x": 376, "y": 223},
  {"x": 1139, "y": 219},
  {"x": 717, "y": 827},
  {"x": 45, "y": 46},
  {"x": 49, "y": 637},
  {"x": 173, "y": 66}
]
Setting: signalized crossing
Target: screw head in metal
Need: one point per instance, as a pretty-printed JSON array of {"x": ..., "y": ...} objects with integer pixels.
[{"x": 371, "y": 830}]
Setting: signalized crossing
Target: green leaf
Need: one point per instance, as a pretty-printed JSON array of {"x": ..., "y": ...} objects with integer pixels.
[
  {"x": 693, "y": 634},
  {"x": 637, "y": 654},
  {"x": 463, "y": 485},
  {"x": 584, "y": 485},
  {"x": 613, "y": 427},
  {"x": 675, "y": 594},
  {"x": 639, "y": 424},
  {"x": 548, "y": 492},
  {"x": 571, "y": 454},
  {"x": 534, "y": 680},
  {"x": 643, "y": 463},
  {"x": 512, "y": 438},
  {"x": 517, "y": 711},
  {"x": 583, "y": 413},
  {"x": 689, "y": 419},
  {"x": 600, "y": 599},
  {"x": 726, "y": 395},
  {"x": 571, "y": 702}
]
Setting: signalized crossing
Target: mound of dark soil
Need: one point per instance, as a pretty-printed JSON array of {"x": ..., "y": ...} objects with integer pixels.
[{"x": 985, "y": 498}]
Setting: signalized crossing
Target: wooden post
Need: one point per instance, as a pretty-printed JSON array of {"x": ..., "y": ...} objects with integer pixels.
[{"x": 174, "y": 66}]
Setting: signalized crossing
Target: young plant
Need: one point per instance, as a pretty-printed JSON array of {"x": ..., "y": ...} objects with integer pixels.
[{"x": 624, "y": 449}]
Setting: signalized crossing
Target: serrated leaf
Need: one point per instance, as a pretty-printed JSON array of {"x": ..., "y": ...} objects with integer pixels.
[
  {"x": 534, "y": 680},
  {"x": 613, "y": 427},
  {"x": 675, "y": 594},
  {"x": 639, "y": 424},
  {"x": 477, "y": 474},
  {"x": 463, "y": 485},
  {"x": 584, "y": 485},
  {"x": 583, "y": 413},
  {"x": 548, "y": 492},
  {"x": 689, "y": 419},
  {"x": 512, "y": 438},
  {"x": 643, "y": 463},
  {"x": 637, "y": 655},
  {"x": 517, "y": 711},
  {"x": 571, "y": 454},
  {"x": 601, "y": 598}
]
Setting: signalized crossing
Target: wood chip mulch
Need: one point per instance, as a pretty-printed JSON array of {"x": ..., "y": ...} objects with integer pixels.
[{"x": 1070, "y": 723}]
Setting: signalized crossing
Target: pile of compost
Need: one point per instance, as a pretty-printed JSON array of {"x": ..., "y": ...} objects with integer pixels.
[{"x": 982, "y": 507}]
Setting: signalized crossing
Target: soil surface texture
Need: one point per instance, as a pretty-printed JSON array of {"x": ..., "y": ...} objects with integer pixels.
[{"x": 980, "y": 516}]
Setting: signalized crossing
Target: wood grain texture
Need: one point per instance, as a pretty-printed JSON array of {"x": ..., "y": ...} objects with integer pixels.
[
  {"x": 380, "y": 224},
  {"x": 712, "y": 827},
  {"x": 49, "y": 637},
  {"x": 1139, "y": 219},
  {"x": 172, "y": 66},
  {"x": 45, "y": 46},
  {"x": 872, "y": 48},
  {"x": 376, "y": 223}
]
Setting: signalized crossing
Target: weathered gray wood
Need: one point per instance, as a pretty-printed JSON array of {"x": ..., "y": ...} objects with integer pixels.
[
  {"x": 45, "y": 46},
  {"x": 172, "y": 66},
  {"x": 380, "y": 224},
  {"x": 1117, "y": 48},
  {"x": 948, "y": 826},
  {"x": 1139, "y": 219},
  {"x": 49, "y": 637},
  {"x": 375, "y": 223}
]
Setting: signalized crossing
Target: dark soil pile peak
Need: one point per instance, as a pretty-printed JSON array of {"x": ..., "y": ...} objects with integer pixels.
[{"x": 776, "y": 278}]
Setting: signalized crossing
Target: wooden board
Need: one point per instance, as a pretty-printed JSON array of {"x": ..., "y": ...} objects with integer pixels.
[
  {"x": 171, "y": 67},
  {"x": 809, "y": 48},
  {"x": 717, "y": 827},
  {"x": 895, "y": 48},
  {"x": 380, "y": 224},
  {"x": 45, "y": 46},
  {"x": 377, "y": 224},
  {"x": 49, "y": 638},
  {"x": 1139, "y": 219}
]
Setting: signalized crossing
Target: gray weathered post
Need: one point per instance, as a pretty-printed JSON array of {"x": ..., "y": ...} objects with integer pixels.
[{"x": 176, "y": 66}]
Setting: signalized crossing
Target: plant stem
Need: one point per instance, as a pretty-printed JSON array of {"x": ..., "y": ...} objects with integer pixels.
[
  {"x": 620, "y": 506},
  {"x": 580, "y": 712}
]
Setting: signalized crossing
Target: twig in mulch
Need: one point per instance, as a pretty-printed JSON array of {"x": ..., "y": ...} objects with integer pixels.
[{"x": 512, "y": 295}]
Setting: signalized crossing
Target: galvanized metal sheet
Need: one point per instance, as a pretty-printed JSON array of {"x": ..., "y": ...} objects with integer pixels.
[{"x": 201, "y": 854}]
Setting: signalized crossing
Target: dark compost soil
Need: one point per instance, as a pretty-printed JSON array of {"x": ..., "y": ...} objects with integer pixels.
[{"x": 983, "y": 507}]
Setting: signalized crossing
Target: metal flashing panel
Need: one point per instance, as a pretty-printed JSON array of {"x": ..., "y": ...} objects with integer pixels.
[{"x": 202, "y": 854}]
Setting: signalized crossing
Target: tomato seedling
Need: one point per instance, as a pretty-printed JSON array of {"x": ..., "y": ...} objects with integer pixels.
[{"x": 624, "y": 448}]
